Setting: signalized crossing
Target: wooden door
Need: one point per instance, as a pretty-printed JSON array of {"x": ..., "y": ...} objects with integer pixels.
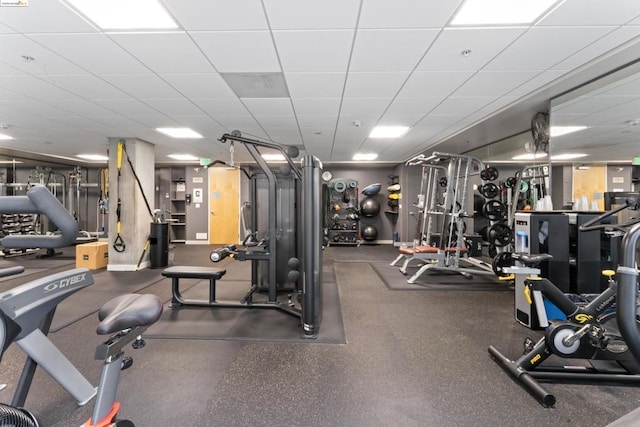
[
  {"x": 224, "y": 201},
  {"x": 592, "y": 183}
]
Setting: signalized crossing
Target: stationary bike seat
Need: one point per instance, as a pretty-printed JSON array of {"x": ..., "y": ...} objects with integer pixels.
[
  {"x": 530, "y": 260},
  {"x": 128, "y": 311}
]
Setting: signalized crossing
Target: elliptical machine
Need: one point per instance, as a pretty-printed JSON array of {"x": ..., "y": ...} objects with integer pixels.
[{"x": 590, "y": 332}]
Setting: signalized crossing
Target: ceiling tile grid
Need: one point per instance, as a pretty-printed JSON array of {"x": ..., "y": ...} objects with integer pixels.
[{"x": 343, "y": 61}]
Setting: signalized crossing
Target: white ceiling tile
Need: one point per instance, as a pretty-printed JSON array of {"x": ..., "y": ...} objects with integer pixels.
[
  {"x": 317, "y": 121},
  {"x": 604, "y": 45},
  {"x": 87, "y": 86},
  {"x": 484, "y": 44},
  {"x": 390, "y": 50},
  {"x": 314, "y": 51},
  {"x": 209, "y": 85},
  {"x": 34, "y": 87},
  {"x": 592, "y": 12},
  {"x": 406, "y": 13},
  {"x": 13, "y": 47},
  {"x": 174, "y": 107},
  {"x": 316, "y": 106},
  {"x": 366, "y": 123},
  {"x": 93, "y": 52},
  {"x": 242, "y": 122},
  {"x": 412, "y": 106},
  {"x": 222, "y": 106},
  {"x": 493, "y": 83},
  {"x": 42, "y": 109},
  {"x": 537, "y": 82},
  {"x": 84, "y": 108},
  {"x": 399, "y": 119},
  {"x": 269, "y": 106},
  {"x": 239, "y": 51},
  {"x": 178, "y": 53},
  {"x": 44, "y": 17},
  {"x": 364, "y": 106},
  {"x": 127, "y": 107},
  {"x": 423, "y": 84},
  {"x": 6, "y": 69},
  {"x": 294, "y": 14},
  {"x": 538, "y": 48},
  {"x": 461, "y": 106},
  {"x": 374, "y": 85},
  {"x": 148, "y": 86},
  {"x": 315, "y": 85},
  {"x": 207, "y": 15},
  {"x": 4, "y": 29},
  {"x": 277, "y": 121}
]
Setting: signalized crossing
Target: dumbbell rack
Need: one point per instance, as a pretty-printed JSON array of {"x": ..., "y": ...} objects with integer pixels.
[{"x": 452, "y": 173}]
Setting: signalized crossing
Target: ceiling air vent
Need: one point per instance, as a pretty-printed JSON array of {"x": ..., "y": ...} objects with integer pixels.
[{"x": 257, "y": 85}]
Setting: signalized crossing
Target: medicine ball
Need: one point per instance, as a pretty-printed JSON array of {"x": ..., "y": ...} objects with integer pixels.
[
  {"x": 369, "y": 207},
  {"x": 369, "y": 233}
]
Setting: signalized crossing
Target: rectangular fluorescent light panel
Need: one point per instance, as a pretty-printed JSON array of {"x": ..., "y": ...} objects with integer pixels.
[
  {"x": 568, "y": 156},
  {"x": 500, "y": 12},
  {"x": 275, "y": 157},
  {"x": 365, "y": 156},
  {"x": 183, "y": 157},
  {"x": 125, "y": 14},
  {"x": 5, "y": 136},
  {"x": 257, "y": 85},
  {"x": 564, "y": 130},
  {"x": 388, "y": 131},
  {"x": 180, "y": 133},
  {"x": 529, "y": 156},
  {"x": 95, "y": 157}
]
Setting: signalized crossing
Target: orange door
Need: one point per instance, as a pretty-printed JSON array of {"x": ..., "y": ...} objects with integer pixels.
[{"x": 224, "y": 199}]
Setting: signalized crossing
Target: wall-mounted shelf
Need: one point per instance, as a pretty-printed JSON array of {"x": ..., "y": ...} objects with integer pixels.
[{"x": 178, "y": 223}]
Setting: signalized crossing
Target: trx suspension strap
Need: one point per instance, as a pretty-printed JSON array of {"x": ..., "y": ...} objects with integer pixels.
[{"x": 119, "y": 244}]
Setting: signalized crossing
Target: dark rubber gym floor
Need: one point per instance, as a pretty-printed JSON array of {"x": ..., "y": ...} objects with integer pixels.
[{"x": 415, "y": 357}]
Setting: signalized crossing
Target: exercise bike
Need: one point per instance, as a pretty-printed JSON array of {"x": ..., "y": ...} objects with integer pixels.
[
  {"x": 124, "y": 318},
  {"x": 589, "y": 333}
]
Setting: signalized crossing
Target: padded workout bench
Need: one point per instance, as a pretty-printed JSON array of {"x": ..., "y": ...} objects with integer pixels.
[{"x": 192, "y": 272}]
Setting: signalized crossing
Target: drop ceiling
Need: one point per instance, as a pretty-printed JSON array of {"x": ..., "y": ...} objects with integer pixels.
[{"x": 347, "y": 65}]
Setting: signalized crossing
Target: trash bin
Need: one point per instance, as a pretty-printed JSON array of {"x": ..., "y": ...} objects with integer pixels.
[{"x": 159, "y": 244}]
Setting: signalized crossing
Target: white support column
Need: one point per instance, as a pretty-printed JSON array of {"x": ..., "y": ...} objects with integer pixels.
[{"x": 134, "y": 217}]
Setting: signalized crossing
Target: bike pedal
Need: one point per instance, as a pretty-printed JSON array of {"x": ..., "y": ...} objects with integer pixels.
[
  {"x": 126, "y": 363},
  {"x": 528, "y": 345}
]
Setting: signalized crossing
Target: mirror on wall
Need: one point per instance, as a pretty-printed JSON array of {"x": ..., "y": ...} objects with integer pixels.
[{"x": 595, "y": 135}]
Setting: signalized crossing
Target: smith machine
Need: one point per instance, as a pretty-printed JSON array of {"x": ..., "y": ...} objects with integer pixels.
[
  {"x": 442, "y": 201},
  {"x": 285, "y": 243}
]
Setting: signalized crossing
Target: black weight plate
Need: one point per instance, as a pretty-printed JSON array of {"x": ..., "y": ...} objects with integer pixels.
[
  {"x": 489, "y": 190},
  {"x": 443, "y": 181},
  {"x": 489, "y": 174},
  {"x": 512, "y": 181},
  {"x": 500, "y": 262},
  {"x": 494, "y": 210},
  {"x": 500, "y": 234}
]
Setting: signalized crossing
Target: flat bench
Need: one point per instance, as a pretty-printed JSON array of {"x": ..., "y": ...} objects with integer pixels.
[{"x": 192, "y": 272}]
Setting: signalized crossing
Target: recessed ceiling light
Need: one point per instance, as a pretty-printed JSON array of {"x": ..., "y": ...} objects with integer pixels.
[
  {"x": 500, "y": 12},
  {"x": 568, "y": 156},
  {"x": 5, "y": 136},
  {"x": 186, "y": 157},
  {"x": 180, "y": 132},
  {"x": 125, "y": 14},
  {"x": 365, "y": 156},
  {"x": 564, "y": 130},
  {"x": 529, "y": 156},
  {"x": 96, "y": 157},
  {"x": 273, "y": 157},
  {"x": 388, "y": 131}
]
